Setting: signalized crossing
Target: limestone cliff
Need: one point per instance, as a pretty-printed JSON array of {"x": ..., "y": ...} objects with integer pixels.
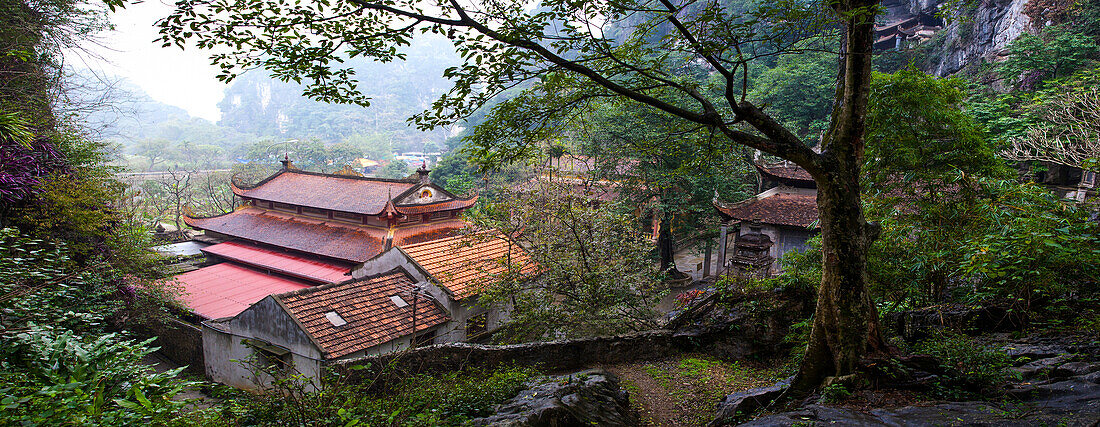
[{"x": 990, "y": 26}]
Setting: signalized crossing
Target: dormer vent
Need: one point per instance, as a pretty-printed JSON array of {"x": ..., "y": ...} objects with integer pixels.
[{"x": 335, "y": 319}]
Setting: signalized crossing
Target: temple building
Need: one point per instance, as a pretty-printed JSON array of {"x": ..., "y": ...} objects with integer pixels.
[
  {"x": 297, "y": 229},
  {"x": 765, "y": 227},
  {"x": 312, "y": 268},
  {"x": 907, "y": 33}
]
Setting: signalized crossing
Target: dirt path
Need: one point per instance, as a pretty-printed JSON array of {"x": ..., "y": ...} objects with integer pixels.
[{"x": 684, "y": 390}]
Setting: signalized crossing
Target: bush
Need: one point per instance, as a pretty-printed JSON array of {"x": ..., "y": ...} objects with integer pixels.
[
  {"x": 450, "y": 398},
  {"x": 970, "y": 365},
  {"x": 56, "y": 378},
  {"x": 834, "y": 393}
]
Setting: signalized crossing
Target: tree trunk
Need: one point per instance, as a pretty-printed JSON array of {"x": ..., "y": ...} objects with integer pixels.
[
  {"x": 665, "y": 244},
  {"x": 845, "y": 327}
]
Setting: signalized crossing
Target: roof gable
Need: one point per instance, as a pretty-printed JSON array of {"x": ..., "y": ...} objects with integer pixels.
[{"x": 370, "y": 315}]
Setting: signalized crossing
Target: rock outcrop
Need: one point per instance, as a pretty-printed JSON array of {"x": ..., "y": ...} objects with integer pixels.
[
  {"x": 985, "y": 33},
  {"x": 1060, "y": 385},
  {"x": 585, "y": 398}
]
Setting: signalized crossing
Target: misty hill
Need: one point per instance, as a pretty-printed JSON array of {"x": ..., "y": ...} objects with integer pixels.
[{"x": 258, "y": 104}]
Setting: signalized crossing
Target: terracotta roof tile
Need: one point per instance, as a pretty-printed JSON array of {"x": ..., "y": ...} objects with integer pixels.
[
  {"x": 462, "y": 263},
  {"x": 435, "y": 207},
  {"x": 795, "y": 210},
  {"x": 333, "y": 192},
  {"x": 329, "y": 239},
  {"x": 372, "y": 318},
  {"x": 281, "y": 261},
  {"x": 419, "y": 233},
  {"x": 223, "y": 290},
  {"x": 787, "y": 172},
  {"x": 332, "y": 239}
]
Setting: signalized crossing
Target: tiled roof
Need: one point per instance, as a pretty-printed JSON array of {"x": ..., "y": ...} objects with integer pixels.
[
  {"x": 435, "y": 207},
  {"x": 331, "y": 239},
  {"x": 413, "y": 234},
  {"x": 372, "y": 317},
  {"x": 333, "y": 192},
  {"x": 223, "y": 290},
  {"x": 786, "y": 172},
  {"x": 461, "y": 263},
  {"x": 795, "y": 210},
  {"x": 281, "y": 261}
]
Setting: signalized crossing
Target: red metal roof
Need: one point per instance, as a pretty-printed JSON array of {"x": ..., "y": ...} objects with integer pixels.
[
  {"x": 282, "y": 262},
  {"x": 795, "y": 210},
  {"x": 223, "y": 290},
  {"x": 460, "y": 263},
  {"x": 372, "y": 317},
  {"x": 342, "y": 193}
]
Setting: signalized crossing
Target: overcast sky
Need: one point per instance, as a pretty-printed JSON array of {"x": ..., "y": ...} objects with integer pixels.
[{"x": 182, "y": 78}]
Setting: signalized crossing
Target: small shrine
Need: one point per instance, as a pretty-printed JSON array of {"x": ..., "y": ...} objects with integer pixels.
[{"x": 751, "y": 255}]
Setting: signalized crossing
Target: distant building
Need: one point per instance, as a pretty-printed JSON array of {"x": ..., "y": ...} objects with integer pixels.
[
  {"x": 907, "y": 33},
  {"x": 765, "y": 227}
]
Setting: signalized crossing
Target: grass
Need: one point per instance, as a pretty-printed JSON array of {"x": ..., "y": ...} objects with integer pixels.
[{"x": 685, "y": 390}]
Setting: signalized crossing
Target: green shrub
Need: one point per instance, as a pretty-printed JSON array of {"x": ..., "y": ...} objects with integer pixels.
[
  {"x": 834, "y": 393},
  {"x": 59, "y": 378},
  {"x": 450, "y": 398},
  {"x": 970, "y": 365}
]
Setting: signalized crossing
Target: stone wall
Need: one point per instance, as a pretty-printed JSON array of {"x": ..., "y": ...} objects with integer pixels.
[
  {"x": 553, "y": 356},
  {"x": 745, "y": 326},
  {"x": 179, "y": 341}
]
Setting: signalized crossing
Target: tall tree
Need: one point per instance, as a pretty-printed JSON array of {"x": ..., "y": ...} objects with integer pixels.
[{"x": 671, "y": 45}]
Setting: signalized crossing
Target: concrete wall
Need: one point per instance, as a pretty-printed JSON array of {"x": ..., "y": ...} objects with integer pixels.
[{"x": 224, "y": 349}]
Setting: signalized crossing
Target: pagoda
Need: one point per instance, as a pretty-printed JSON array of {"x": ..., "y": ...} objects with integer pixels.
[{"x": 297, "y": 229}]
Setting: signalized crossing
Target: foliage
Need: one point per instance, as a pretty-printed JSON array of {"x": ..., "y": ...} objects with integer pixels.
[
  {"x": 834, "y": 393},
  {"x": 798, "y": 91},
  {"x": 71, "y": 371},
  {"x": 596, "y": 274},
  {"x": 54, "y": 377},
  {"x": 378, "y": 146},
  {"x": 917, "y": 133},
  {"x": 455, "y": 173},
  {"x": 1056, "y": 52},
  {"x": 34, "y": 37},
  {"x": 450, "y": 398},
  {"x": 649, "y": 159},
  {"x": 972, "y": 367},
  {"x": 1036, "y": 247},
  {"x": 1063, "y": 124},
  {"x": 395, "y": 169}
]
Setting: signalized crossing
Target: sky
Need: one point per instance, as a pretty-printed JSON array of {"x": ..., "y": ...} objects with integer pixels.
[{"x": 183, "y": 78}]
